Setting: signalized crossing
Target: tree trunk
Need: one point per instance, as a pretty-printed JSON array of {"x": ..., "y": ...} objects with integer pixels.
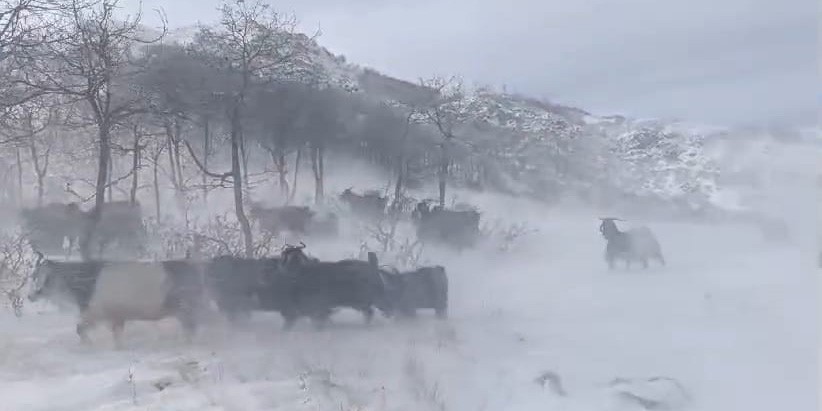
[
  {"x": 206, "y": 150},
  {"x": 296, "y": 172},
  {"x": 443, "y": 173},
  {"x": 400, "y": 181},
  {"x": 157, "y": 186},
  {"x": 317, "y": 167},
  {"x": 237, "y": 177},
  {"x": 170, "y": 147},
  {"x": 39, "y": 172},
  {"x": 178, "y": 135},
  {"x": 19, "y": 176},
  {"x": 402, "y": 166},
  {"x": 244, "y": 157},
  {"x": 109, "y": 184},
  {"x": 104, "y": 158},
  {"x": 135, "y": 166},
  {"x": 280, "y": 164}
]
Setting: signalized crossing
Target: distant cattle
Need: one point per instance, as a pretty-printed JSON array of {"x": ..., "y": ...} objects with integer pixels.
[
  {"x": 120, "y": 228},
  {"x": 295, "y": 219},
  {"x": 638, "y": 244},
  {"x": 459, "y": 229},
  {"x": 117, "y": 292},
  {"x": 369, "y": 205},
  {"x": 315, "y": 289},
  {"x": 52, "y": 227},
  {"x": 773, "y": 229},
  {"x": 425, "y": 287}
]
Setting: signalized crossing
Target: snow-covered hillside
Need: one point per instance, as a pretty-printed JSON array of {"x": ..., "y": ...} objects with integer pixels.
[{"x": 545, "y": 148}]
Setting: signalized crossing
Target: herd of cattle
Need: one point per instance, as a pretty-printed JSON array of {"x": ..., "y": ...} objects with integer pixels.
[
  {"x": 293, "y": 284},
  {"x": 58, "y": 228}
]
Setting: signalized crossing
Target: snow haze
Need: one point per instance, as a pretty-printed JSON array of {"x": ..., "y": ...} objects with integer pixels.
[{"x": 536, "y": 319}]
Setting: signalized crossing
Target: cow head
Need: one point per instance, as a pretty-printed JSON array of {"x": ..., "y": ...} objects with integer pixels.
[
  {"x": 293, "y": 257},
  {"x": 608, "y": 227}
]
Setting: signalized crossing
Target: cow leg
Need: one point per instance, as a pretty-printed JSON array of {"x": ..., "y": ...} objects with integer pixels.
[
  {"x": 644, "y": 262},
  {"x": 289, "y": 318},
  {"x": 441, "y": 312},
  {"x": 117, "y": 327},
  {"x": 189, "y": 323},
  {"x": 660, "y": 258},
  {"x": 320, "y": 320},
  {"x": 368, "y": 314},
  {"x": 82, "y": 328}
]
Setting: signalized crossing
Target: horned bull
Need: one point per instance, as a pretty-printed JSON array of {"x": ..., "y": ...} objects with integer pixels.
[
  {"x": 117, "y": 292},
  {"x": 315, "y": 289},
  {"x": 638, "y": 244}
]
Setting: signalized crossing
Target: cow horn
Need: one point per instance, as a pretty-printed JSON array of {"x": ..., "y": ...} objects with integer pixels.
[
  {"x": 40, "y": 257},
  {"x": 302, "y": 245}
]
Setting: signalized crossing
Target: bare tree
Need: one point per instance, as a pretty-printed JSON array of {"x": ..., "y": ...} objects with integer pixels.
[
  {"x": 447, "y": 112},
  {"x": 94, "y": 64},
  {"x": 253, "y": 43},
  {"x": 21, "y": 22}
]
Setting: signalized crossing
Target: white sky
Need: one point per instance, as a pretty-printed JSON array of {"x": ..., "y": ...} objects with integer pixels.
[{"x": 723, "y": 62}]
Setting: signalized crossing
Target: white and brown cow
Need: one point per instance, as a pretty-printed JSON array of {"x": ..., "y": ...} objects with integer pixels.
[{"x": 116, "y": 292}]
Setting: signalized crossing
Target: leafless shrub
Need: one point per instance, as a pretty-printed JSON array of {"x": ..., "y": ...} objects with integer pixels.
[
  {"x": 505, "y": 237},
  {"x": 394, "y": 248},
  {"x": 220, "y": 235},
  {"x": 384, "y": 232},
  {"x": 16, "y": 266}
]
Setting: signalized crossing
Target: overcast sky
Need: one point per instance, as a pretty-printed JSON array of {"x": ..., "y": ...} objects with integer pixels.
[{"x": 724, "y": 62}]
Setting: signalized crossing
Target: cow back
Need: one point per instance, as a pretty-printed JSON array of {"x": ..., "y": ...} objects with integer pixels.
[
  {"x": 131, "y": 290},
  {"x": 643, "y": 243}
]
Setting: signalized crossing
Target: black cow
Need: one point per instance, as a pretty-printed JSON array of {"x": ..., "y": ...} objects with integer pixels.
[
  {"x": 369, "y": 205},
  {"x": 116, "y": 292},
  {"x": 459, "y": 229},
  {"x": 295, "y": 219},
  {"x": 120, "y": 227},
  {"x": 315, "y": 289},
  {"x": 286, "y": 218},
  {"x": 425, "y": 287},
  {"x": 241, "y": 285},
  {"x": 638, "y": 244}
]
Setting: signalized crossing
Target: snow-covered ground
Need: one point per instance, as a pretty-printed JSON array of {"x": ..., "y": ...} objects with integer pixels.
[{"x": 732, "y": 320}]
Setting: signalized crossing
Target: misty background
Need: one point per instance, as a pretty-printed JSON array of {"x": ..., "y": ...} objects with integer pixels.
[{"x": 729, "y": 63}]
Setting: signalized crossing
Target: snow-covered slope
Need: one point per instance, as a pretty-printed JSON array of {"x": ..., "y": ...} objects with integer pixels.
[
  {"x": 728, "y": 325},
  {"x": 547, "y": 149}
]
